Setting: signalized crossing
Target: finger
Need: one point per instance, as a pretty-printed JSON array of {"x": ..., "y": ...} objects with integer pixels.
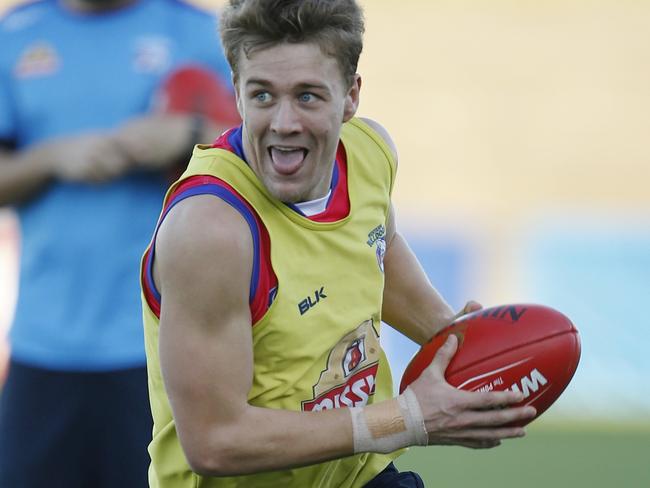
[
  {"x": 496, "y": 417},
  {"x": 443, "y": 356},
  {"x": 112, "y": 164},
  {"x": 482, "y": 444},
  {"x": 472, "y": 306},
  {"x": 490, "y": 400},
  {"x": 87, "y": 170},
  {"x": 133, "y": 147},
  {"x": 471, "y": 443},
  {"x": 487, "y": 434}
]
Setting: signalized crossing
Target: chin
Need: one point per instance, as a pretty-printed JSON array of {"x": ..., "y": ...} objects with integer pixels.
[
  {"x": 282, "y": 189},
  {"x": 287, "y": 197},
  {"x": 286, "y": 194}
]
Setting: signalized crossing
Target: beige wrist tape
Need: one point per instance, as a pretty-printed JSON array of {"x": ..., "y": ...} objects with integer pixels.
[{"x": 390, "y": 425}]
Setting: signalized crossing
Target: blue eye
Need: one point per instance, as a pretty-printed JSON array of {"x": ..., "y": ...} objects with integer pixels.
[
  {"x": 263, "y": 97},
  {"x": 306, "y": 97}
]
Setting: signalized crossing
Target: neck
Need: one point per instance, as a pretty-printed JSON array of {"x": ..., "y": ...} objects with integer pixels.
[{"x": 96, "y": 5}]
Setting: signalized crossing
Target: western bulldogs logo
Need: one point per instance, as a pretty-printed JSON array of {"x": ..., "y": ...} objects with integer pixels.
[
  {"x": 377, "y": 237},
  {"x": 381, "y": 252}
]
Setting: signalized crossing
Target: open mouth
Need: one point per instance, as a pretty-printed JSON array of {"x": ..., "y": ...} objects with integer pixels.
[{"x": 287, "y": 160}]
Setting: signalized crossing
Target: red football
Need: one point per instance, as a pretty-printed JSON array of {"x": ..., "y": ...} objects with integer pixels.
[
  {"x": 195, "y": 89},
  {"x": 529, "y": 348}
]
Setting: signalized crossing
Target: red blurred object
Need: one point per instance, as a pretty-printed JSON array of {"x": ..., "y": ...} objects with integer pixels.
[
  {"x": 529, "y": 348},
  {"x": 195, "y": 89}
]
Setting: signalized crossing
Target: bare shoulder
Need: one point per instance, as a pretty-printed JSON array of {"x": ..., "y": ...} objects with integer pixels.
[
  {"x": 381, "y": 130},
  {"x": 203, "y": 241}
]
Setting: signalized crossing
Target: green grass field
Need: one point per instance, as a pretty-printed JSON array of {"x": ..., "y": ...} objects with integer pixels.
[{"x": 550, "y": 456}]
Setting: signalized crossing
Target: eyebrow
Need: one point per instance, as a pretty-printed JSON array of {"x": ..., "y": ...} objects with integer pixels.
[
  {"x": 309, "y": 85},
  {"x": 258, "y": 81}
]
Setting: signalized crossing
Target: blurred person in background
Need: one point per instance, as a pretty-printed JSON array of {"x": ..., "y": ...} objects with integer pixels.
[{"x": 85, "y": 162}]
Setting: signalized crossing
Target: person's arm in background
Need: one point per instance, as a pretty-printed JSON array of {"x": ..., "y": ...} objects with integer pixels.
[
  {"x": 20, "y": 181},
  {"x": 88, "y": 157},
  {"x": 152, "y": 142},
  {"x": 161, "y": 141},
  {"x": 194, "y": 104},
  {"x": 92, "y": 158},
  {"x": 25, "y": 171},
  {"x": 155, "y": 142}
]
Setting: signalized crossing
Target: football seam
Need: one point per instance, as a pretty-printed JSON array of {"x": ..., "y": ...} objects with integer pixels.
[{"x": 512, "y": 349}]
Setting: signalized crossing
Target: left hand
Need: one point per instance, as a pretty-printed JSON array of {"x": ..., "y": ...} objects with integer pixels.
[
  {"x": 156, "y": 142},
  {"x": 470, "y": 306},
  {"x": 448, "y": 319}
]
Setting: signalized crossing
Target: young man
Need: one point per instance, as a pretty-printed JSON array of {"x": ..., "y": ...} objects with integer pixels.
[
  {"x": 274, "y": 263},
  {"x": 85, "y": 162}
]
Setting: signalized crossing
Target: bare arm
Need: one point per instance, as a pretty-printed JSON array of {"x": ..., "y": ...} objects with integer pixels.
[
  {"x": 206, "y": 352},
  {"x": 154, "y": 142},
  {"x": 160, "y": 141},
  {"x": 20, "y": 177},
  {"x": 92, "y": 158},
  {"x": 411, "y": 303}
]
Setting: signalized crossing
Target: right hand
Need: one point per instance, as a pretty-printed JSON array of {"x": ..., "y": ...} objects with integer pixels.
[
  {"x": 458, "y": 417},
  {"x": 157, "y": 141},
  {"x": 88, "y": 158}
]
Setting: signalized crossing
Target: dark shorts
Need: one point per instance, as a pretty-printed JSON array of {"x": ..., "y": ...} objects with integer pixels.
[
  {"x": 392, "y": 478},
  {"x": 74, "y": 430}
]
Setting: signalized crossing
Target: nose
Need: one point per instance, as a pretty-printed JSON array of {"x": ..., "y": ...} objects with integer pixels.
[{"x": 286, "y": 119}]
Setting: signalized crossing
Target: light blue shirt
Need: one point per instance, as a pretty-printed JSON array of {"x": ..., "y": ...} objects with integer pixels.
[{"x": 64, "y": 73}]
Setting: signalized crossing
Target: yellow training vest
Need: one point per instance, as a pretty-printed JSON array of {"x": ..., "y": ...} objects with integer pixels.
[{"x": 317, "y": 347}]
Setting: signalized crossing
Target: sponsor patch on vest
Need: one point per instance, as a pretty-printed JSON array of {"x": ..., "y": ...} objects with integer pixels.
[
  {"x": 349, "y": 377},
  {"x": 354, "y": 355},
  {"x": 354, "y": 393}
]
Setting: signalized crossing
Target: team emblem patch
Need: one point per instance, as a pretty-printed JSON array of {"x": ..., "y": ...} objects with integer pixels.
[
  {"x": 152, "y": 55},
  {"x": 377, "y": 237},
  {"x": 381, "y": 252},
  {"x": 39, "y": 59},
  {"x": 348, "y": 379}
]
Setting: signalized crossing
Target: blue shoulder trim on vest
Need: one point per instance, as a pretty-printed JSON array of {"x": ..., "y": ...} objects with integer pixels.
[{"x": 234, "y": 201}]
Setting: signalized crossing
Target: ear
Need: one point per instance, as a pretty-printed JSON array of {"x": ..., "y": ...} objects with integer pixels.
[
  {"x": 235, "y": 84},
  {"x": 352, "y": 99}
]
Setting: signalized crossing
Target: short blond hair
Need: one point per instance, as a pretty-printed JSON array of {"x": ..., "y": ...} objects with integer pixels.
[{"x": 336, "y": 26}]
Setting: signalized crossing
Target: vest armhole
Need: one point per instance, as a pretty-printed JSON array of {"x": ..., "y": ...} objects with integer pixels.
[
  {"x": 383, "y": 146},
  {"x": 262, "y": 272}
]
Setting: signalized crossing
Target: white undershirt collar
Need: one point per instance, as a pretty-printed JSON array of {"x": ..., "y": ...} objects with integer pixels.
[{"x": 313, "y": 207}]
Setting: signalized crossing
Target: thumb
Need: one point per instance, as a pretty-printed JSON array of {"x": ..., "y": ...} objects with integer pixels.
[
  {"x": 444, "y": 356},
  {"x": 471, "y": 306}
]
